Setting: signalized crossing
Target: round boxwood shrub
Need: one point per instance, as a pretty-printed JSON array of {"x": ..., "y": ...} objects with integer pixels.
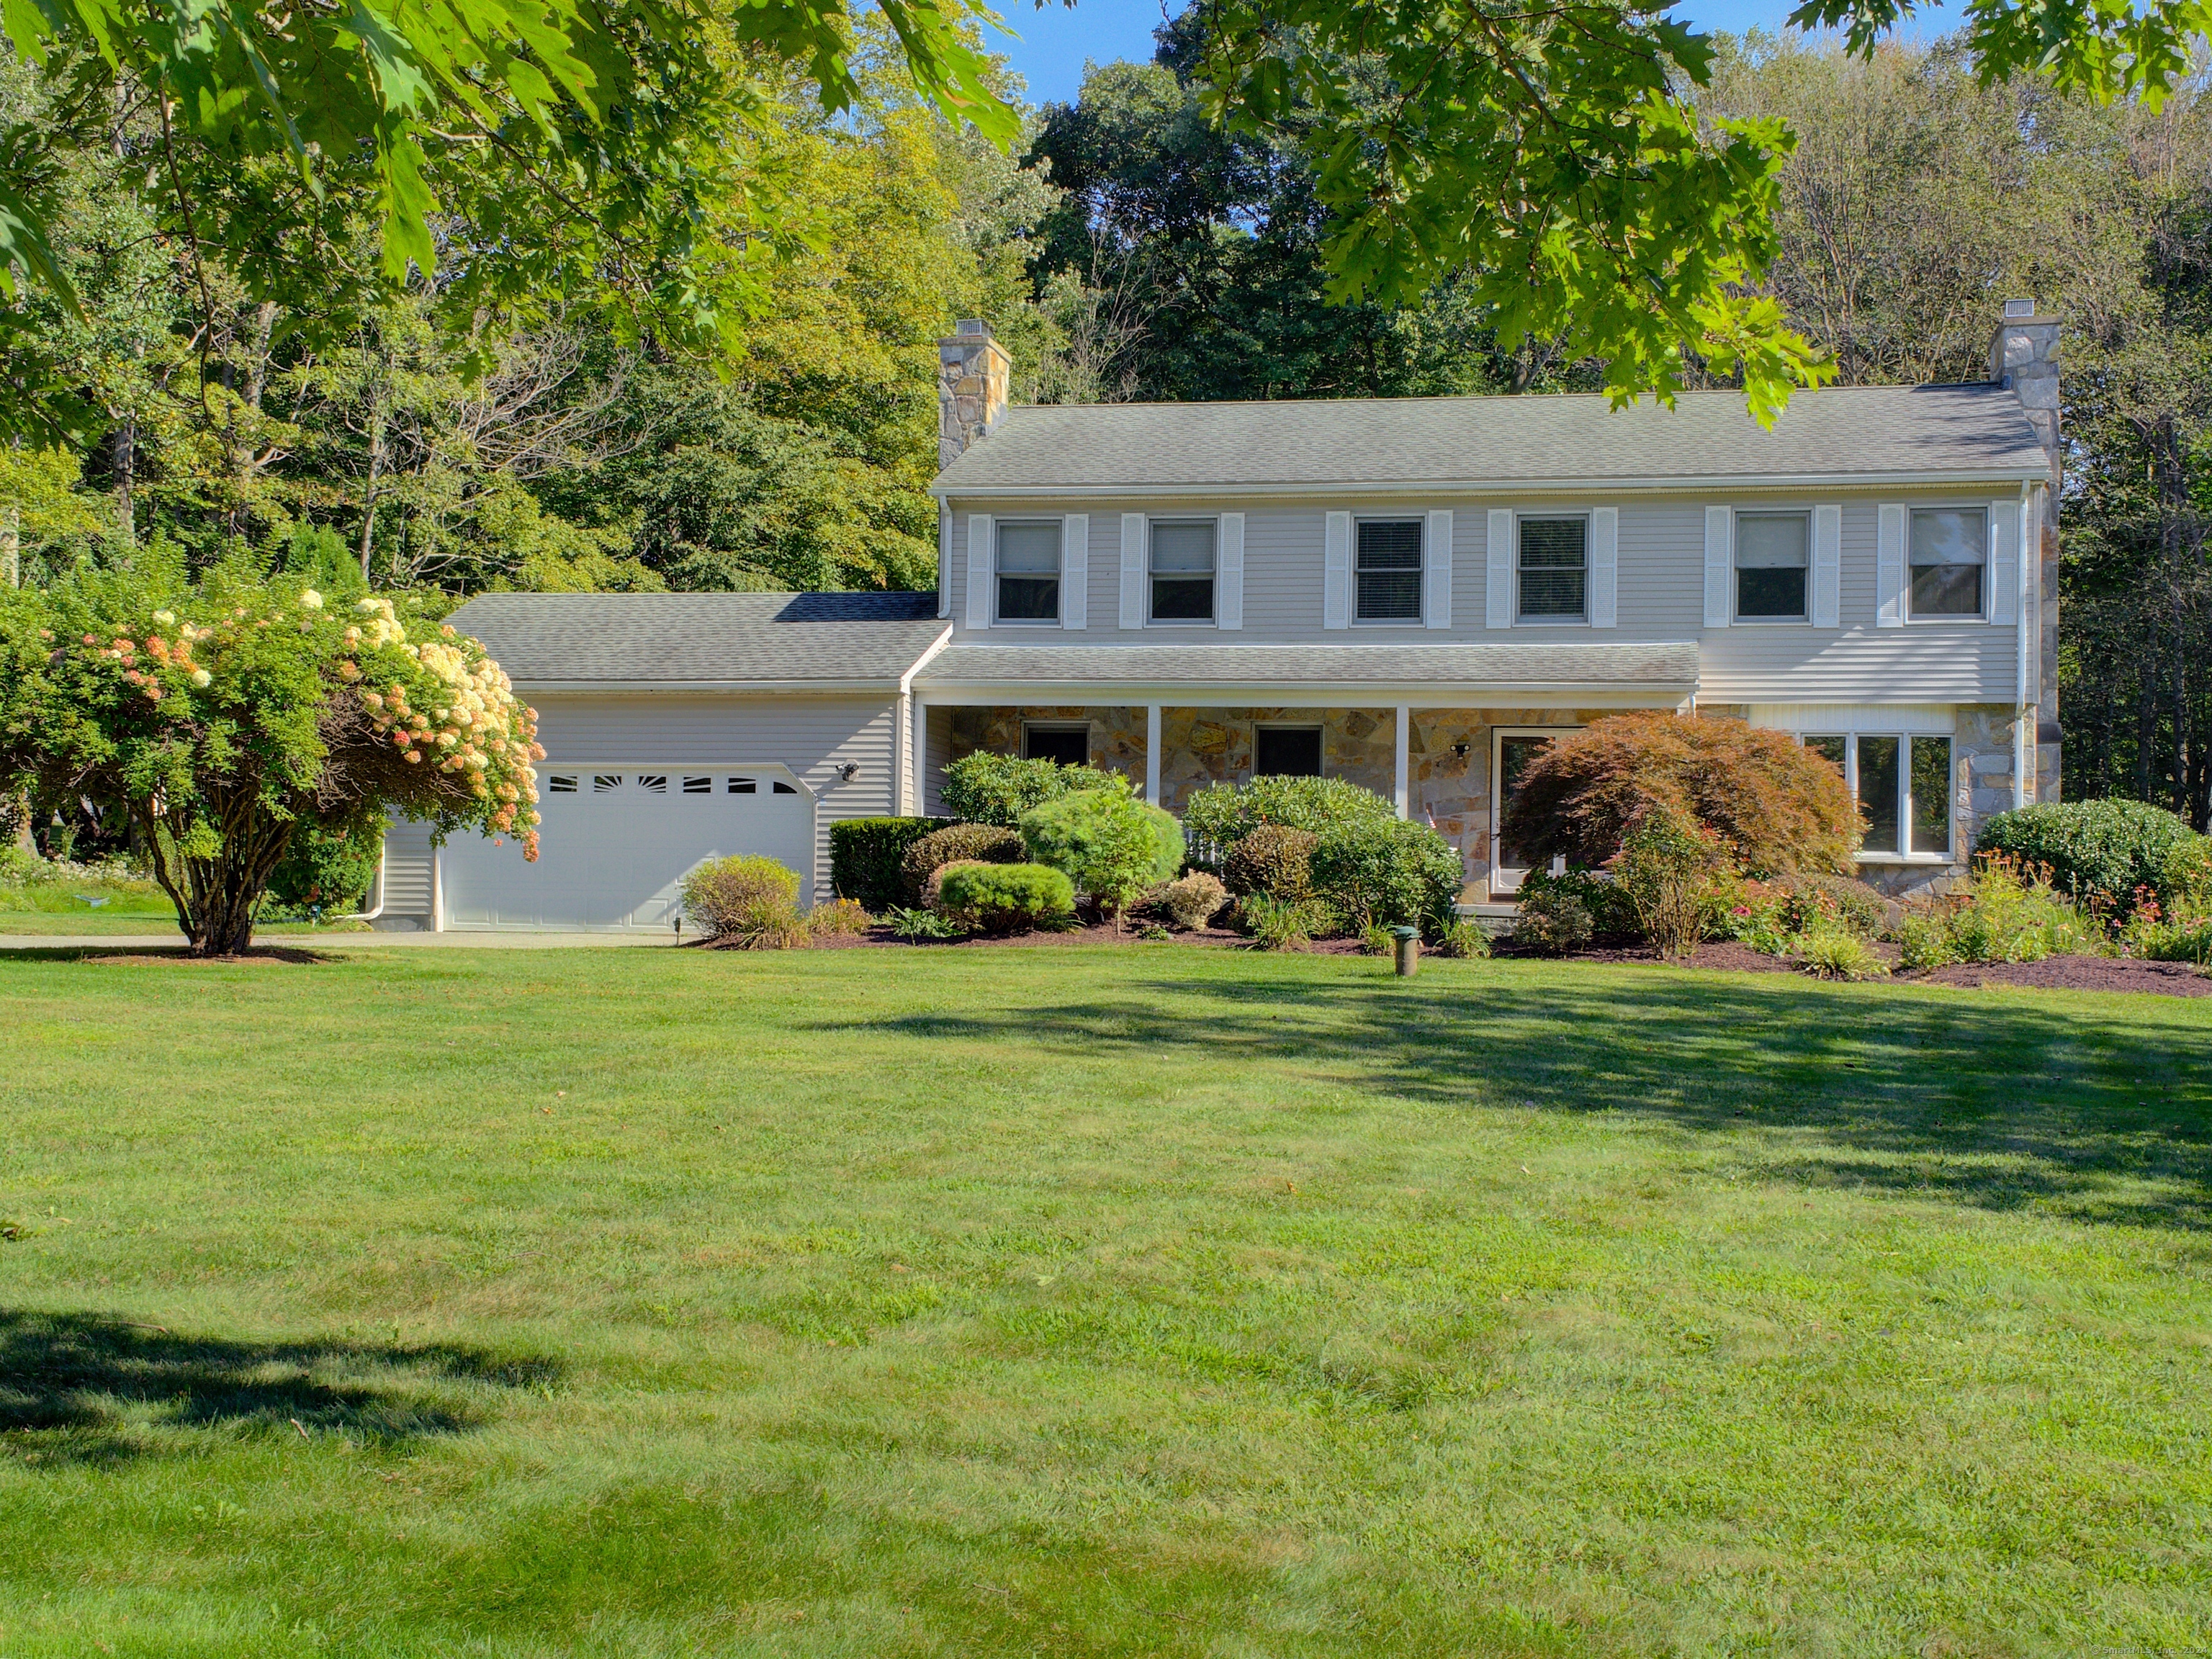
[
  {"x": 1777, "y": 806},
  {"x": 1223, "y": 814},
  {"x": 1111, "y": 845},
  {"x": 1388, "y": 874},
  {"x": 986, "y": 844},
  {"x": 1275, "y": 860},
  {"x": 2107, "y": 848},
  {"x": 1006, "y": 899}
]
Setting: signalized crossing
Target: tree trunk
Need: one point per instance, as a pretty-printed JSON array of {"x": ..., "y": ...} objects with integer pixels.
[
  {"x": 11, "y": 546},
  {"x": 218, "y": 897}
]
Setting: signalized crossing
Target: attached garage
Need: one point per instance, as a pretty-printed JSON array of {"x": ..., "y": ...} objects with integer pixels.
[
  {"x": 652, "y": 708},
  {"x": 617, "y": 841}
]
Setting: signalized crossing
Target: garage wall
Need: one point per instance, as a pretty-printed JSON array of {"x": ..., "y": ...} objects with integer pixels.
[{"x": 812, "y": 736}]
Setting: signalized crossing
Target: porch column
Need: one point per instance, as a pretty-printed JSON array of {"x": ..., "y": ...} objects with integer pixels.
[
  {"x": 1152, "y": 753},
  {"x": 917, "y": 754},
  {"x": 1400, "y": 745}
]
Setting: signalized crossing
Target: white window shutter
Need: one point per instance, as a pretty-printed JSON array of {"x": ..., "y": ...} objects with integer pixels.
[
  {"x": 979, "y": 570},
  {"x": 1720, "y": 566},
  {"x": 1133, "y": 570},
  {"x": 1336, "y": 572},
  {"x": 1436, "y": 571},
  {"x": 2004, "y": 563},
  {"x": 1075, "y": 571},
  {"x": 1229, "y": 573},
  {"x": 1604, "y": 567},
  {"x": 1828, "y": 566},
  {"x": 1497, "y": 589},
  {"x": 1889, "y": 567}
]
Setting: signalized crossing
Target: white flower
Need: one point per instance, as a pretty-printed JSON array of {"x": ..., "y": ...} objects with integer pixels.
[
  {"x": 202, "y": 679},
  {"x": 165, "y": 618},
  {"x": 311, "y": 600}
]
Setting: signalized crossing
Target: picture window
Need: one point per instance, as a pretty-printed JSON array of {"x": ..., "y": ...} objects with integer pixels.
[{"x": 1902, "y": 783}]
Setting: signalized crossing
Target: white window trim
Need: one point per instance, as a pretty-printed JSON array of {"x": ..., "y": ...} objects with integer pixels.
[
  {"x": 1956, "y": 619},
  {"x": 1421, "y": 577},
  {"x": 1520, "y": 517},
  {"x": 1906, "y": 736},
  {"x": 1214, "y": 519},
  {"x": 1497, "y": 736},
  {"x": 1059, "y": 576},
  {"x": 1737, "y": 618}
]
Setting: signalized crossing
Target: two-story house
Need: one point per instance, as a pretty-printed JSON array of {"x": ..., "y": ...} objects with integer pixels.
[{"x": 1413, "y": 593}]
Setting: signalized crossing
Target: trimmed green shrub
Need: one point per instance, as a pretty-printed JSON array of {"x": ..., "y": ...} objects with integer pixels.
[
  {"x": 1551, "y": 921},
  {"x": 327, "y": 869},
  {"x": 986, "y": 844},
  {"x": 1666, "y": 868},
  {"x": 1776, "y": 805},
  {"x": 2099, "y": 851},
  {"x": 865, "y": 855},
  {"x": 985, "y": 788},
  {"x": 1223, "y": 814},
  {"x": 1111, "y": 845},
  {"x": 1006, "y": 899},
  {"x": 749, "y": 903},
  {"x": 1192, "y": 902},
  {"x": 1275, "y": 860},
  {"x": 1388, "y": 872}
]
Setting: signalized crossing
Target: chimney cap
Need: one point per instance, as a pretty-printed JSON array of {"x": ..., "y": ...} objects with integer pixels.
[
  {"x": 977, "y": 326},
  {"x": 2013, "y": 309}
]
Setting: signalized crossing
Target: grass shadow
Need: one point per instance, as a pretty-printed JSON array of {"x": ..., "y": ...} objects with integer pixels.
[
  {"x": 2100, "y": 1114},
  {"x": 73, "y": 1387}
]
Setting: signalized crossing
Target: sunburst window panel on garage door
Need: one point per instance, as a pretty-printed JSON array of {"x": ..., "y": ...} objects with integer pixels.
[{"x": 613, "y": 856}]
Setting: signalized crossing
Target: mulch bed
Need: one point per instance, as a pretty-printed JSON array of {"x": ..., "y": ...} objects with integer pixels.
[
  {"x": 2172, "y": 978},
  {"x": 258, "y": 955}
]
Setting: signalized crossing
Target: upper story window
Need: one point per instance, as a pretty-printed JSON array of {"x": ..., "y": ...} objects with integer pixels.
[
  {"x": 1029, "y": 571},
  {"x": 1554, "y": 566},
  {"x": 1182, "y": 570},
  {"x": 1770, "y": 558},
  {"x": 1950, "y": 547},
  {"x": 1388, "y": 576}
]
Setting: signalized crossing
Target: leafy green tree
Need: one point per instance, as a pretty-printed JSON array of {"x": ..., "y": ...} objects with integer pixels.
[{"x": 222, "y": 715}]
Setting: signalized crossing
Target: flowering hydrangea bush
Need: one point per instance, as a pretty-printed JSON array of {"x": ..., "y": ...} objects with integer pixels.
[{"x": 222, "y": 714}]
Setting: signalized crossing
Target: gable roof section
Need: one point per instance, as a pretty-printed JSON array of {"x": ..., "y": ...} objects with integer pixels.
[
  {"x": 1670, "y": 666},
  {"x": 1920, "y": 434},
  {"x": 732, "y": 641}
]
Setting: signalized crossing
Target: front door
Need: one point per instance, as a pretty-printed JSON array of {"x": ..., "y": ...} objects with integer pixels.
[{"x": 1514, "y": 750}]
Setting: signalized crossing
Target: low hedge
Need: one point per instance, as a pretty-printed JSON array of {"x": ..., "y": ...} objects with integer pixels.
[
  {"x": 1006, "y": 899},
  {"x": 865, "y": 854},
  {"x": 2095, "y": 849}
]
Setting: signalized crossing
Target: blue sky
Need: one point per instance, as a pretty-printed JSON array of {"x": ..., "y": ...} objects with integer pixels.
[{"x": 1056, "y": 40}]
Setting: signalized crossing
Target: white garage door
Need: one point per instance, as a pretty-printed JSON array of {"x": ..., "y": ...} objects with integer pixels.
[{"x": 617, "y": 841}]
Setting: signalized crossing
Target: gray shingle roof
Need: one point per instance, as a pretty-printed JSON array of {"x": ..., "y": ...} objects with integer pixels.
[
  {"x": 703, "y": 639},
  {"x": 1505, "y": 667},
  {"x": 1477, "y": 442}
]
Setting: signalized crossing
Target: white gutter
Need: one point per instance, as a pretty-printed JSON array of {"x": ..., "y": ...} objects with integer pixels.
[
  {"x": 2028, "y": 584},
  {"x": 715, "y": 688},
  {"x": 906, "y": 788},
  {"x": 1419, "y": 693},
  {"x": 1511, "y": 489}
]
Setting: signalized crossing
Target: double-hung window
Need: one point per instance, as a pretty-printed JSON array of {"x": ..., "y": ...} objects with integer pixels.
[
  {"x": 1902, "y": 785},
  {"x": 1950, "y": 548},
  {"x": 1182, "y": 570},
  {"x": 1554, "y": 569},
  {"x": 1771, "y": 559},
  {"x": 1388, "y": 573},
  {"x": 1029, "y": 570}
]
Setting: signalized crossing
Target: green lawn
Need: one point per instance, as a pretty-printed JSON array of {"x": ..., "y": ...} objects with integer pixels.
[{"x": 1071, "y": 1301}]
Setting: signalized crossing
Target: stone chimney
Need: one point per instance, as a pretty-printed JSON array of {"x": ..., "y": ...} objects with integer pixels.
[
  {"x": 2024, "y": 356},
  {"x": 973, "y": 373}
]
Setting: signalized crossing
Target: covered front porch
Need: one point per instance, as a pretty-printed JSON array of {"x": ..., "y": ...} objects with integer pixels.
[{"x": 1439, "y": 730}]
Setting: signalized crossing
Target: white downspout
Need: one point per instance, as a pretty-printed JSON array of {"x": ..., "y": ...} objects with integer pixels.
[
  {"x": 1401, "y": 761},
  {"x": 1152, "y": 753},
  {"x": 437, "y": 890},
  {"x": 913, "y": 715},
  {"x": 375, "y": 890},
  {"x": 2022, "y": 608}
]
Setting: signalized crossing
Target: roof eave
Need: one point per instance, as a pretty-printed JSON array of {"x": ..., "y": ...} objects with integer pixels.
[
  {"x": 887, "y": 685},
  {"x": 1418, "y": 694},
  {"x": 2037, "y": 472}
]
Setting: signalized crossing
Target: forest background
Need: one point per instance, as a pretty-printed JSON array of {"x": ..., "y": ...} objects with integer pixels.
[{"x": 1127, "y": 248}]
